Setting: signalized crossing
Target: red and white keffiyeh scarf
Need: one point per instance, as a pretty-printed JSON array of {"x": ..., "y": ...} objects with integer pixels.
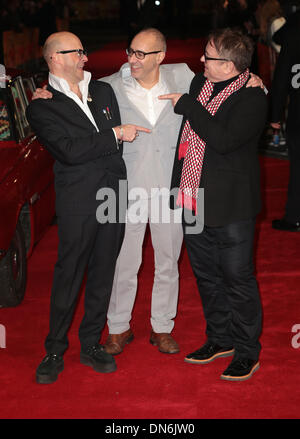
[{"x": 192, "y": 147}]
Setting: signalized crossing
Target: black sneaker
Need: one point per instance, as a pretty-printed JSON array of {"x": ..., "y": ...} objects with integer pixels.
[
  {"x": 240, "y": 370},
  {"x": 96, "y": 357},
  {"x": 208, "y": 353},
  {"x": 48, "y": 370}
]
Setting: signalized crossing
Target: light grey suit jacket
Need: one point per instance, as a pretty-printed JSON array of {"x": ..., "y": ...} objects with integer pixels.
[{"x": 149, "y": 159}]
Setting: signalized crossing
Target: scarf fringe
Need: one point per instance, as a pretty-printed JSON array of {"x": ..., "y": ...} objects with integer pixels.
[{"x": 186, "y": 201}]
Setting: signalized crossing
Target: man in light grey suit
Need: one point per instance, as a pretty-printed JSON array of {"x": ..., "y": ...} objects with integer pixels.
[{"x": 149, "y": 165}]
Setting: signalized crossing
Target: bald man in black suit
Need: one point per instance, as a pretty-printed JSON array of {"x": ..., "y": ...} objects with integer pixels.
[{"x": 80, "y": 127}]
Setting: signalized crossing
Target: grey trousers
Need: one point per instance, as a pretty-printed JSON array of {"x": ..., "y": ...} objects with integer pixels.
[{"x": 166, "y": 237}]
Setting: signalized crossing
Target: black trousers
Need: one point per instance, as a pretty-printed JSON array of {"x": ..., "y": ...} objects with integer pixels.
[
  {"x": 222, "y": 261},
  {"x": 293, "y": 195},
  {"x": 84, "y": 246}
]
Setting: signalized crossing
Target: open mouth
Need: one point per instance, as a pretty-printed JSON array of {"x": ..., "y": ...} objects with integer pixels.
[
  {"x": 134, "y": 67},
  {"x": 80, "y": 69}
]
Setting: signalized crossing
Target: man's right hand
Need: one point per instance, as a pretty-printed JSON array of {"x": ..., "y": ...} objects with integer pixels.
[
  {"x": 126, "y": 133},
  {"x": 129, "y": 132},
  {"x": 42, "y": 93}
]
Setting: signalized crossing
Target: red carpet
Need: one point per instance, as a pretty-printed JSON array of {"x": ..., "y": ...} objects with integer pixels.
[{"x": 148, "y": 384}]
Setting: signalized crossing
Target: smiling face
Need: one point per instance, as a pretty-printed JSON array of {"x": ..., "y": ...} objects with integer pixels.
[
  {"x": 146, "y": 71},
  {"x": 68, "y": 66},
  {"x": 72, "y": 63},
  {"x": 214, "y": 70}
]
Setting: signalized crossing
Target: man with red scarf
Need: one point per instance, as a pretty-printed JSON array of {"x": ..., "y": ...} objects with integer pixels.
[{"x": 217, "y": 152}]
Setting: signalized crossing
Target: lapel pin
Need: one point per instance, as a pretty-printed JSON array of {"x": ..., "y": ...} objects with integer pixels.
[{"x": 89, "y": 98}]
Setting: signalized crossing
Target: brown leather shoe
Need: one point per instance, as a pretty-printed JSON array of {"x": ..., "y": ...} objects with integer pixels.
[
  {"x": 115, "y": 343},
  {"x": 165, "y": 342}
]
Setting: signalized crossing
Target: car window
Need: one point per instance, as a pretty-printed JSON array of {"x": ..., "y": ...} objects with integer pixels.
[
  {"x": 21, "y": 93},
  {"x": 5, "y": 129},
  {"x": 29, "y": 88}
]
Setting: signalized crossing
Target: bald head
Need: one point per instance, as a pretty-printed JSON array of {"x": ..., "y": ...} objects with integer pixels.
[
  {"x": 65, "y": 57},
  {"x": 155, "y": 36},
  {"x": 59, "y": 41},
  {"x": 145, "y": 69}
]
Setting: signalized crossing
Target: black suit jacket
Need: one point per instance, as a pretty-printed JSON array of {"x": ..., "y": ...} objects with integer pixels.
[
  {"x": 230, "y": 173},
  {"x": 85, "y": 160}
]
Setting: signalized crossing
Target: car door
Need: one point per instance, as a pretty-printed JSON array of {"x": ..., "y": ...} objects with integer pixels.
[{"x": 35, "y": 172}]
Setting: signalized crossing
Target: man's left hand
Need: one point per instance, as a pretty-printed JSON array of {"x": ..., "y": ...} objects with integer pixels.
[
  {"x": 174, "y": 97},
  {"x": 42, "y": 93},
  {"x": 255, "y": 81}
]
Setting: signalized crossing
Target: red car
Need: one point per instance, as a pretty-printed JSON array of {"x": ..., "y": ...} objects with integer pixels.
[{"x": 27, "y": 198}]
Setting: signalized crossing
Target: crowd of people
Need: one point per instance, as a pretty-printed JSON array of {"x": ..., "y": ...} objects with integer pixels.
[
  {"x": 17, "y": 14},
  {"x": 258, "y": 18}
]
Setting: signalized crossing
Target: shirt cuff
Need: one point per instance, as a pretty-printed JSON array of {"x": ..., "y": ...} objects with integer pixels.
[{"x": 117, "y": 141}]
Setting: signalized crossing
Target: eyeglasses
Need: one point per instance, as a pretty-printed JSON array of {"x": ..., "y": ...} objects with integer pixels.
[
  {"x": 139, "y": 53},
  {"x": 80, "y": 52},
  {"x": 208, "y": 58}
]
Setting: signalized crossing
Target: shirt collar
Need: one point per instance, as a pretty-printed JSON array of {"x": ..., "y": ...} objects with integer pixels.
[
  {"x": 134, "y": 84},
  {"x": 60, "y": 84}
]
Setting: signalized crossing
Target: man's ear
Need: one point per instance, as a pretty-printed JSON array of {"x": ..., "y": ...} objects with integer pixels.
[
  {"x": 55, "y": 58},
  {"x": 161, "y": 57},
  {"x": 229, "y": 68}
]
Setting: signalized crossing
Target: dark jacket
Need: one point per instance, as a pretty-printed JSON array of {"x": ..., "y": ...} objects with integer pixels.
[
  {"x": 85, "y": 159},
  {"x": 286, "y": 80},
  {"x": 230, "y": 173}
]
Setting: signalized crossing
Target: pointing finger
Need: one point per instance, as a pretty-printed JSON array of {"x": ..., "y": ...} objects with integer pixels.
[
  {"x": 167, "y": 96},
  {"x": 145, "y": 130}
]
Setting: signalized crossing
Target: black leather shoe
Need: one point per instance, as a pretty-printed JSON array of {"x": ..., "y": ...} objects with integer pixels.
[
  {"x": 96, "y": 357},
  {"x": 240, "y": 370},
  {"x": 283, "y": 224},
  {"x": 48, "y": 370},
  {"x": 208, "y": 353}
]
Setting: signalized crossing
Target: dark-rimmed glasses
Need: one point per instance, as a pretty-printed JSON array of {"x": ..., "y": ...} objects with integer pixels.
[
  {"x": 80, "y": 52},
  {"x": 139, "y": 53},
  {"x": 209, "y": 58}
]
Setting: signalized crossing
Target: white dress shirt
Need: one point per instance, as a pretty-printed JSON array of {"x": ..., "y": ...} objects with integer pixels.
[
  {"x": 62, "y": 85},
  {"x": 146, "y": 100}
]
